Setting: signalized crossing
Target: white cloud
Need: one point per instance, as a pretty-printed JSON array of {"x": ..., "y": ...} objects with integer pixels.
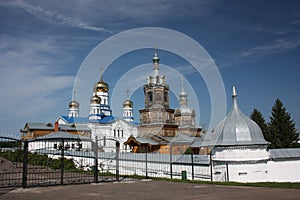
[
  {"x": 27, "y": 76},
  {"x": 271, "y": 48},
  {"x": 158, "y": 9},
  {"x": 24, "y": 88},
  {"x": 254, "y": 53},
  {"x": 52, "y": 16},
  {"x": 96, "y": 15}
]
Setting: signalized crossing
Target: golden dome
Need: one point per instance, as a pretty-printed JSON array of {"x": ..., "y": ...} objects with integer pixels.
[
  {"x": 73, "y": 104},
  {"x": 127, "y": 103},
  {"x": 95, "y": 99},
  {"x": 101, "y": 86}
]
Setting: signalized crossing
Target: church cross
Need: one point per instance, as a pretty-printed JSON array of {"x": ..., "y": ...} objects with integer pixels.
[{"x": 127, "y": 93}]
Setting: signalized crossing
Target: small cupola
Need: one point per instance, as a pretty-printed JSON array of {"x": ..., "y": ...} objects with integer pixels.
[{"x": 238, "y": 129}]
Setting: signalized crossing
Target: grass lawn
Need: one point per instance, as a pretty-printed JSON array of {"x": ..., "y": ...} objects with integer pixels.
[{"x": 261, "y": 184}]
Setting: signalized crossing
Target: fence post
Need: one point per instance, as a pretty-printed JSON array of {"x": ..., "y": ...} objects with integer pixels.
[
  {"x": 227, "y": 172},
  {"x": 95, "y": 159},
  {"x": 211, "y": 167},
  {"x": 62, "y": 164},
  {"x": 25, "y": 165},
  {"x": 171, "y": 170},
  {"x": 117, "y": 160},
  {"x": 146, "y": 159},
  {"x": 192, "y": 159}
]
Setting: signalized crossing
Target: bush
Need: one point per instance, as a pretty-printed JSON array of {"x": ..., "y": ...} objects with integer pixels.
[{"x": 38, "y": 159}]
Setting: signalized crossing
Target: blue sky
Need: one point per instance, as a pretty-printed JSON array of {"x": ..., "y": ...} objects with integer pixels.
[{"x": 254, "y": 44}]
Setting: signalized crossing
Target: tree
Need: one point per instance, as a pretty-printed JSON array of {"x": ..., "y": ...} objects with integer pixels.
[
  {"x": 282, "y": 129},
  {"x": 259, "y": 119}
]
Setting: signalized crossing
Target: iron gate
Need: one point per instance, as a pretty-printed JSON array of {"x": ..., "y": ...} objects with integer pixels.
[
  {"x": 52, "y": 161},
  {"x": 11, "y": 162}
]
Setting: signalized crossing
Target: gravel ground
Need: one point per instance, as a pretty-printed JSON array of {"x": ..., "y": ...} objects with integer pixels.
[{"x": 150, "y": 190}]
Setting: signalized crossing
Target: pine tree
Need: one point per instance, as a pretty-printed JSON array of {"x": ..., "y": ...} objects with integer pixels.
[
  {"x": 282, "y": 129},
  {"x": 259, "y": 119}
]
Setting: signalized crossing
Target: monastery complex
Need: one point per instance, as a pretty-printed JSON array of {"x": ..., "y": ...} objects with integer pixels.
[{"x": 237, "y": 142}]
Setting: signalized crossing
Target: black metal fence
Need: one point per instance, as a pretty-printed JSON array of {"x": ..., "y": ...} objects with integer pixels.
[
  {"x": 61, "y": 161},
  {"x": 11, "y": 162}
]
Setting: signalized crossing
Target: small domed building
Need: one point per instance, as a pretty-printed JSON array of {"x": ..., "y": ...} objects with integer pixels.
[{"x": 240, "y": 152}]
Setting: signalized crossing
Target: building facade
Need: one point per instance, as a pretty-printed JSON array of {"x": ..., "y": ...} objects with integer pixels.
[
  {"x": 106, "y": 128},
  {"x": 160, "y": 126},
  {"x": 52, "y": 132}
]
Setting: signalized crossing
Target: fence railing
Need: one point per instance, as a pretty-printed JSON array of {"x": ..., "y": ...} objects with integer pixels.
[{"x": 63, "y": 161}]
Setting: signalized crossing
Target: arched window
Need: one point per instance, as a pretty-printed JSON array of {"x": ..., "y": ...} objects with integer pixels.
[
  {"x": 150, "y": 96},
  {"x": 166, "y": 96}
]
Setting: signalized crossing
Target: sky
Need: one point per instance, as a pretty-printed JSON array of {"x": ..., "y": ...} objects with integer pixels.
[{"x": 45, "y": 47}]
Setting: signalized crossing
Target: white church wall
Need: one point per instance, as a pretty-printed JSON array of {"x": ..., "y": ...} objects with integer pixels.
[
  {"x": 219, "y": 172},
  {"x": 240, "y": 172},
  {"x": 284, "y": 171},
  {"x": 270, "y": 171},
  {"x": 256, "y": 172},
  {"x": 118, "y": 129},
  {"x": 240, "y": 154}
]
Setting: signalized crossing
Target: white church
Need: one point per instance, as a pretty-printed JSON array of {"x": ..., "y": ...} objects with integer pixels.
[{"x": 105, "y": 127}]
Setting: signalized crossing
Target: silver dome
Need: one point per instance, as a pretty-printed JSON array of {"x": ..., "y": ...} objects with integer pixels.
[{"x": 238, "y": 129}]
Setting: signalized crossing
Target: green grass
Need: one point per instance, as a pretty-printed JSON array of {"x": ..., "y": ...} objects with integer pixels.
[{"x": 260, "y": 184}]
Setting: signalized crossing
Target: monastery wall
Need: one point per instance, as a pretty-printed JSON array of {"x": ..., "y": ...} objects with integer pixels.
[
  {"x": 284, "y": 171},
  {"x": 158, "y": 165}
]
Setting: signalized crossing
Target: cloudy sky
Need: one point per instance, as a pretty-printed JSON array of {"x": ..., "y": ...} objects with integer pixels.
[{"x": 254, "y": 44}]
